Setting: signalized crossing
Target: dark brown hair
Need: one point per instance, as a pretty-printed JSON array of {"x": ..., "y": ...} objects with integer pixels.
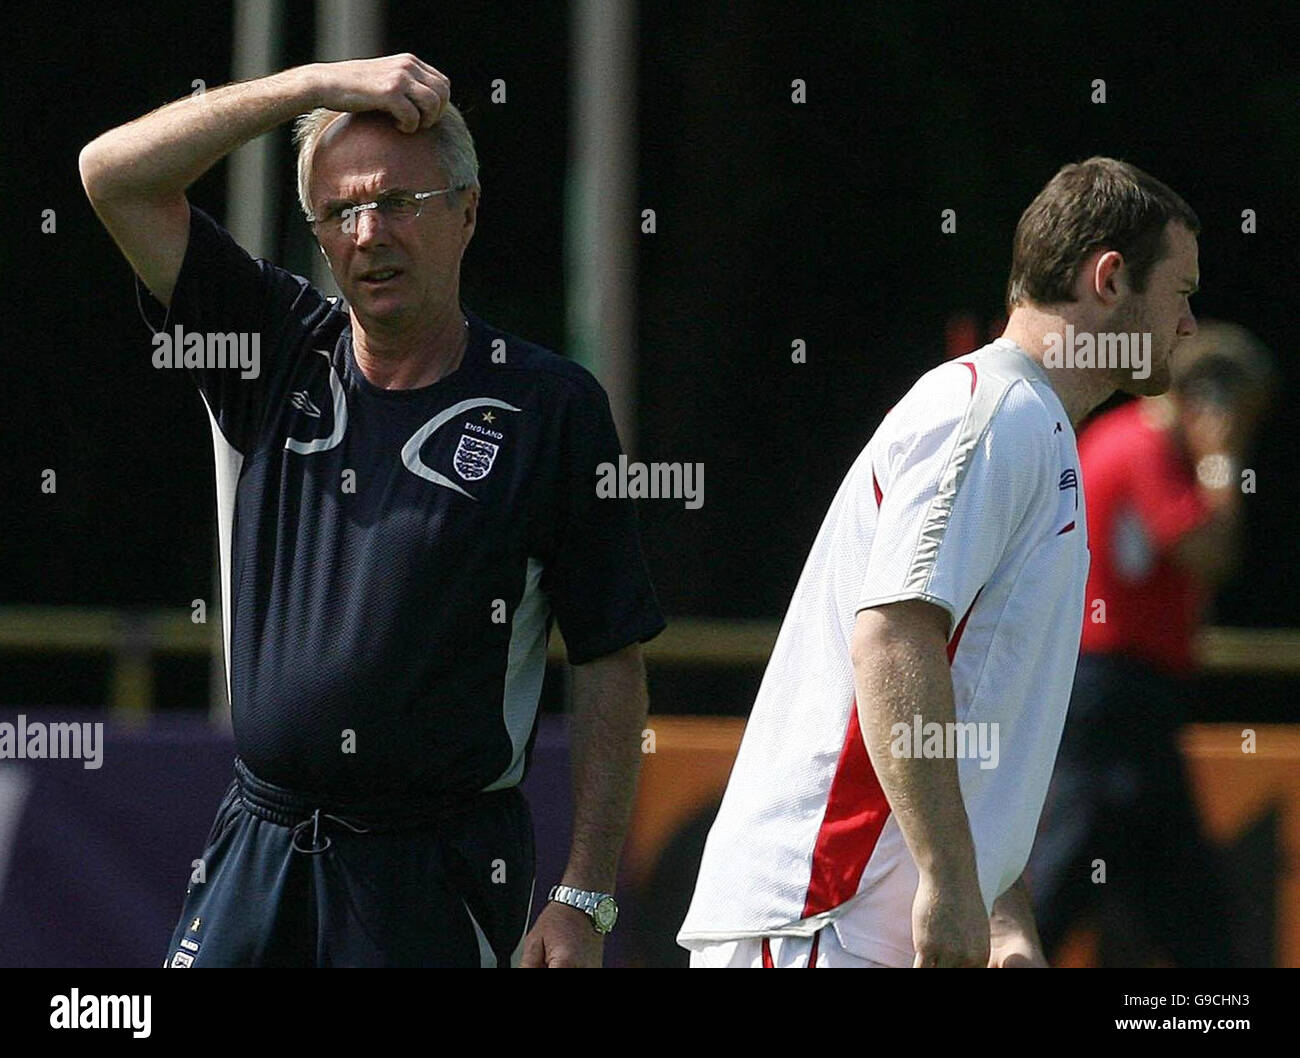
[{"x": 1087, "y": 205}]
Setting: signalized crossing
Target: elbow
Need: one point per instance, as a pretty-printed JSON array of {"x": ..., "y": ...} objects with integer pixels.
[
  {"x": 90, "y": 168},
  {"x": 863, "y": 644},
  {"x": 94, "y": 170}
]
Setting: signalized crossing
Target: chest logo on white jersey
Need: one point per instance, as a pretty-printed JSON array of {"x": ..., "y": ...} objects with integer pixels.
[{"x": 473, "y": 458}]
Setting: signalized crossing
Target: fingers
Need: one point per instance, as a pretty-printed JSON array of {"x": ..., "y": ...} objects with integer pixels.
[
  {"x": 405, "y": 113},
  {"x": 948, "y": 960},
  {"x": 427, "y": 90},
  {"x": 537, "y": 956},
  {"x": 534, "y": 957},
  {"x": 409, "y": 89},
  {"x": 429, "y": 103},
  {"x": 439, "y": 87}
]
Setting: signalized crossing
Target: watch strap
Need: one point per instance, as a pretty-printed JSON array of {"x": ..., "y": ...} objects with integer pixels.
[{"x": 584, "y": 900}]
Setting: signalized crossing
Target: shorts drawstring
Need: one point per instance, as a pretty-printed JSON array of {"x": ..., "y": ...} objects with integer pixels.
[
  {"x": 305, "y": 813},
  {"x": 317, "y": 845}
]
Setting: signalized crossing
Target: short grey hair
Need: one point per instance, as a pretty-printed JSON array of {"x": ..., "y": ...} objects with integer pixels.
[{"x": 451, "y": 139}]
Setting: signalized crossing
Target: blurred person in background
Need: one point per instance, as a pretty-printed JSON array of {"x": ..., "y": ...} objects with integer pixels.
[{"x": 1163, "y": 479}]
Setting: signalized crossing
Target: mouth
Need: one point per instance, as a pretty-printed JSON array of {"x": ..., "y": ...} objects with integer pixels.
[{"x": 377, "y": 277}]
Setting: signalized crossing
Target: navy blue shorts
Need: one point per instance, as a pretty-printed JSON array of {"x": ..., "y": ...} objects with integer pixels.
[{"x": 286, "y": 880}]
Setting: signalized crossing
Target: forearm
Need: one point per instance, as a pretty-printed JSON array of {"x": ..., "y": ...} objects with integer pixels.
[
  {"x": 609, "y": 711},
  {"x": 900, "y": 677},
  {"x": 1211, "y": 550},
  {"x": 162, "y": 153}
]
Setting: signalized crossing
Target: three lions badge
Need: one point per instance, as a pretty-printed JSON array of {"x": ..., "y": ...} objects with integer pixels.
[{"x": 474, "y": 457}]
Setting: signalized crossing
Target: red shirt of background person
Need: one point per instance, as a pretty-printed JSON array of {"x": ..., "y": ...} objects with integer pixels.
[{"x": 1162, "y": 476}]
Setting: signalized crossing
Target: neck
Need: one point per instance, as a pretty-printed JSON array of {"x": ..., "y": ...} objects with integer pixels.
[
  {"x": 1079, "y": 389},
  {"x": 407, "y": 358}
]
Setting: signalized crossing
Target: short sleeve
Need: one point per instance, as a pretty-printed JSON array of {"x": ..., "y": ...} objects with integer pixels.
[
  {"x": 232, "y": 321},
  {"x": 954, "y": 490},
  {"x": 595, "y": 575}
]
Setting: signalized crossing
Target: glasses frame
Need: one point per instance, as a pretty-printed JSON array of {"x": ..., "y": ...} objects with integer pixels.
[{"x": 350, "y": 212}]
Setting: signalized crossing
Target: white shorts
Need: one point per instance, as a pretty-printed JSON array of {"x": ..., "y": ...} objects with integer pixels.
[{"x": 780, "y": 953}]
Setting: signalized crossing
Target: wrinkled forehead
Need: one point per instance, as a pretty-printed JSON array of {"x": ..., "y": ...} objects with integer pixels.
[{"x": 368, "y": 151}]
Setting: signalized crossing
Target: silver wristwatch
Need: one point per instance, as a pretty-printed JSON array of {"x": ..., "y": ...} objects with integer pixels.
[{"x": 599, "y": 907}]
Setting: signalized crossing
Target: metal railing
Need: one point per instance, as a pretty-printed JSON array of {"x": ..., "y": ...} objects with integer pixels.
[{"x": 135, "y": 638}]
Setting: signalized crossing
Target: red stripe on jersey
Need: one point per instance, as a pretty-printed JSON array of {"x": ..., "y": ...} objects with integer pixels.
[
  {"x": 974, "y": 375},
  {"x": 876, "y": 485},
  {"x": 1062, "y": 532},
  {"x": 767, "y": 955},
  {"x": 856, "y": 810},
  {"x": 812, "y": 955},
  {"x": 961, "y": 627}
]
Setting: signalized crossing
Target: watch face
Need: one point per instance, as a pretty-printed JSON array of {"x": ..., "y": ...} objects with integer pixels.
[{"x": 605, "y": 914}]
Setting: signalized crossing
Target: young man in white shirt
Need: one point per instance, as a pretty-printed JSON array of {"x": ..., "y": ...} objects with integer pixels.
[{"x": 897, "y": 757}]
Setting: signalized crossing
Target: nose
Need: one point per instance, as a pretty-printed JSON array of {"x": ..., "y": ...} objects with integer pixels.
[
  {"x": 1187, "y": 325},
  {"x": 369, "y": 227}
]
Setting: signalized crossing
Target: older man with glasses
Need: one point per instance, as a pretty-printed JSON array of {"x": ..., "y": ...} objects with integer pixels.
[{"x": 406, "y": 497}]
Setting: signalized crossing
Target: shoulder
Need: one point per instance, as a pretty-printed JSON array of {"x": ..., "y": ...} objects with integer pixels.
[
  {"x": 971, "y": 396},
  {"x": 212, "y": 250},
  {"x": 560, "y": 377}
]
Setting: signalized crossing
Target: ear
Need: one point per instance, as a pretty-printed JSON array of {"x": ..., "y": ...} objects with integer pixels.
[
  {"x": 1108, "y": 279},
  {"x": 469, "y": 215}
]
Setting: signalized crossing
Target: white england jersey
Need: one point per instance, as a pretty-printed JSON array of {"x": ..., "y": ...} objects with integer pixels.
[{"x": 967, "y": 496}]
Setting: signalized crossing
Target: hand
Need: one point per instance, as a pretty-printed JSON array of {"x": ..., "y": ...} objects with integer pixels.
[
  {"x": 950, "y": 925},
  {"x": 1210, "y": 429},
  {"x": 1013, "y": 935},
  {"x": 412, "y": 91},
  {"x": 562, "y": 937},
  {"x": 1012, "y": 953}
]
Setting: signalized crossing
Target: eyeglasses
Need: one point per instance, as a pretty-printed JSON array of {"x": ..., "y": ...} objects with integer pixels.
[{"x": 340, "y": 218}]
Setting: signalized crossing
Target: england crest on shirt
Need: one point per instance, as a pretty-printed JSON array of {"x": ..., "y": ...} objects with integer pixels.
[{"x": 474, "y": 457}]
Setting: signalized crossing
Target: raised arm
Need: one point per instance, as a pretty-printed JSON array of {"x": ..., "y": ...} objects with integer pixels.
[
  {"x": 900, "y": 669},
  {"x": 136, "y": 175}
]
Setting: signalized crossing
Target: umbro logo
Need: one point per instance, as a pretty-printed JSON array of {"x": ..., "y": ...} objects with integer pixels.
[{"x": 303, "y": 403}]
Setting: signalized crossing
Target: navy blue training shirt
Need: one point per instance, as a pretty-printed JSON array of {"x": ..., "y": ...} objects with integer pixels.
[{"x": 392, "y": 559}]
